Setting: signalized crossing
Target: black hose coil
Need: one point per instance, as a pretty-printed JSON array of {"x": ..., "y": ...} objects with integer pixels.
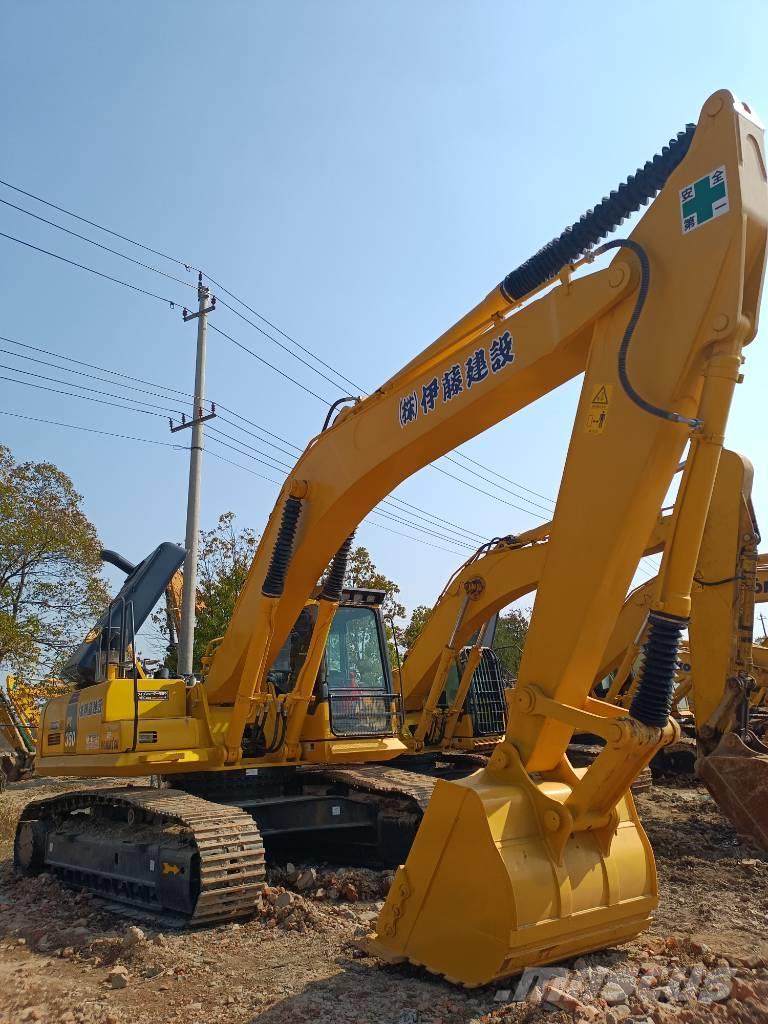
[
  {"x": 334, "y": 579},
  {"x": 595, "y": 224},
  {"x": 274, "y": 581},
  {"x": 652, "y": 702}
]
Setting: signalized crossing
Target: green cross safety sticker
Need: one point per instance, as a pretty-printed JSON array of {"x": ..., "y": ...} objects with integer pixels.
[{"x": 704, "y": 200}]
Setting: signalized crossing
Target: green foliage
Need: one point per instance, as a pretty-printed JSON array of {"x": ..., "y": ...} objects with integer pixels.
[
  {"x": 51, "y": 589},
  {"x": 361, "y": 572},
  {"x": 509, "y": 641},
  {"x": 225, "y": 554},
  {"x": 418, "y": 620}
]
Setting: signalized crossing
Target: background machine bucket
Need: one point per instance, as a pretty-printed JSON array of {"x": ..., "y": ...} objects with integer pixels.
[{"x": 736, "y": 774}]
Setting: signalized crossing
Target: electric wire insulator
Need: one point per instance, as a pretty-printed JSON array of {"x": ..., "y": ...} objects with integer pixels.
[
  {"x": 652, "y": 702},
  {"x": 274, "y": 581}
]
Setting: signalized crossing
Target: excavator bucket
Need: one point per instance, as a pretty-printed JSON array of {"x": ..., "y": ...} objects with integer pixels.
[
  {"x": 736, "y": 774},
  {"x": 481, "y": 895}
]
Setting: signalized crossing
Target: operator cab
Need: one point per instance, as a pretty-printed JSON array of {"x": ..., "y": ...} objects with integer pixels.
[{"x": 354, "y": 679}]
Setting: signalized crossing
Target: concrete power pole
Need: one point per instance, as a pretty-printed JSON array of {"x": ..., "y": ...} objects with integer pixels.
[{"x": 199, "y": 416}]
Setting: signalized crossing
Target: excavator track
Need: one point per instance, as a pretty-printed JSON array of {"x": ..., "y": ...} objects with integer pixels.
[
  {"x": 163, "y": 851},
  {"x": 379, "y": 781},
  {"x": 676, "y": 759},
  {"x": 398, "y": 798}
]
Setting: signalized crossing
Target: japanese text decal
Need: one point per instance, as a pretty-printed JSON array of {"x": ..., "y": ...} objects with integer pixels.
[{"x": 457, "y": 378}]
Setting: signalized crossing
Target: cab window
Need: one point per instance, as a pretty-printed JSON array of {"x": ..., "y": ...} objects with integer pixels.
[
  {"x": 353, "y": 658},
  {"x": 287, "y": 664}
]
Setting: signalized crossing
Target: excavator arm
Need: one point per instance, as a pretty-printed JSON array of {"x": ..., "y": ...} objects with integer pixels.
[{"x": 562, "y": 849}]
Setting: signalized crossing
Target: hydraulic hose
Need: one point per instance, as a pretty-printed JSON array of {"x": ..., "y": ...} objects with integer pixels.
[
  {"x": 642, "y": 295},
  {"x": 652, "y": 702},
  {"x": 335, "y": 406}
]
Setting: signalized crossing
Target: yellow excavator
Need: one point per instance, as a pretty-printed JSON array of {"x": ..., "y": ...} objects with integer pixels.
[
  {"x": 658, "y": 335},
  {"x": 20, "y": 705},
  {"x": 17, "y": 742}
]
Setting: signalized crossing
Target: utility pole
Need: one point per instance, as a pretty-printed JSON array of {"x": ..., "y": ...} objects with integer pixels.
[
  {"x": 199, "y": 416},
  {"x": 762, "y": 623}
]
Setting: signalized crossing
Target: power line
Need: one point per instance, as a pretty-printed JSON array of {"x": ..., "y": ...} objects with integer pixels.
[
  {"x": 82, "y": 387},
  {"x": 91, "y": 430},
  {"x": 243, "y": 444},
  {"x": 123, "y": 375},
  {"x": 413, "y": 509},
  {"x": 250, "y": 433},
  {"x": 172, "y": 303},
  {"x": 501, "y": 487},
  {"x": 100, "y": 227},
  {"x": 280, "y": 344},
  {"x": 86, "y": 398},
  {"x": 131, "y": 437},
  {"x": 282, "y": 373},
  {"x": 461, "y": 534},
  {"x": 388, "y": 515},
  {"x": 93, "y": 366},
  {"x": 245, "y": 469},
  {"x": 397, "y": 533},
  {"x": 81, "y": 266},
  {"x": 279, "y": 330},
  {"x": 241, "y": 452},
  {"x": 80, "y": 373},
  {"x": 424, "y": 529},
  {"x": 245, "y": 419},
  {"x": 495, "y": 472},
  {"x": 487, "y": 493},
  {"x": 92, "y": 241},
  {"x": 169, "y": 444}
]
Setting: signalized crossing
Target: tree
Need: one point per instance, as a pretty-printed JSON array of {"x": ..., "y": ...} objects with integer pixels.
[
  {"x": 51, "y": 589},
  {"x": 361, "y": 572},
  {"x": 225, "y": 554},
  {"x": 418, "y": 620},
  {"x": 511, "y": 631}
]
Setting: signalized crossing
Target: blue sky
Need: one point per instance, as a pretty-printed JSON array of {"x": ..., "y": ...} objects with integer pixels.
[{"x": 361, "y": 174}]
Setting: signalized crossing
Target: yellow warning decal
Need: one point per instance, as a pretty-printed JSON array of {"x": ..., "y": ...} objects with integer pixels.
[
  {"x": 597, "y": 414},
  {"x": 170, "y": 869}
]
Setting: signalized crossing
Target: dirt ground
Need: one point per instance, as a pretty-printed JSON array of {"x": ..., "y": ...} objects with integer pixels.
[{"x": 68, "y": 957}]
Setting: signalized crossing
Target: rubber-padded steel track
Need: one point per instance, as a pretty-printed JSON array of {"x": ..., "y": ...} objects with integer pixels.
[{"x": 231, "y": 853}]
